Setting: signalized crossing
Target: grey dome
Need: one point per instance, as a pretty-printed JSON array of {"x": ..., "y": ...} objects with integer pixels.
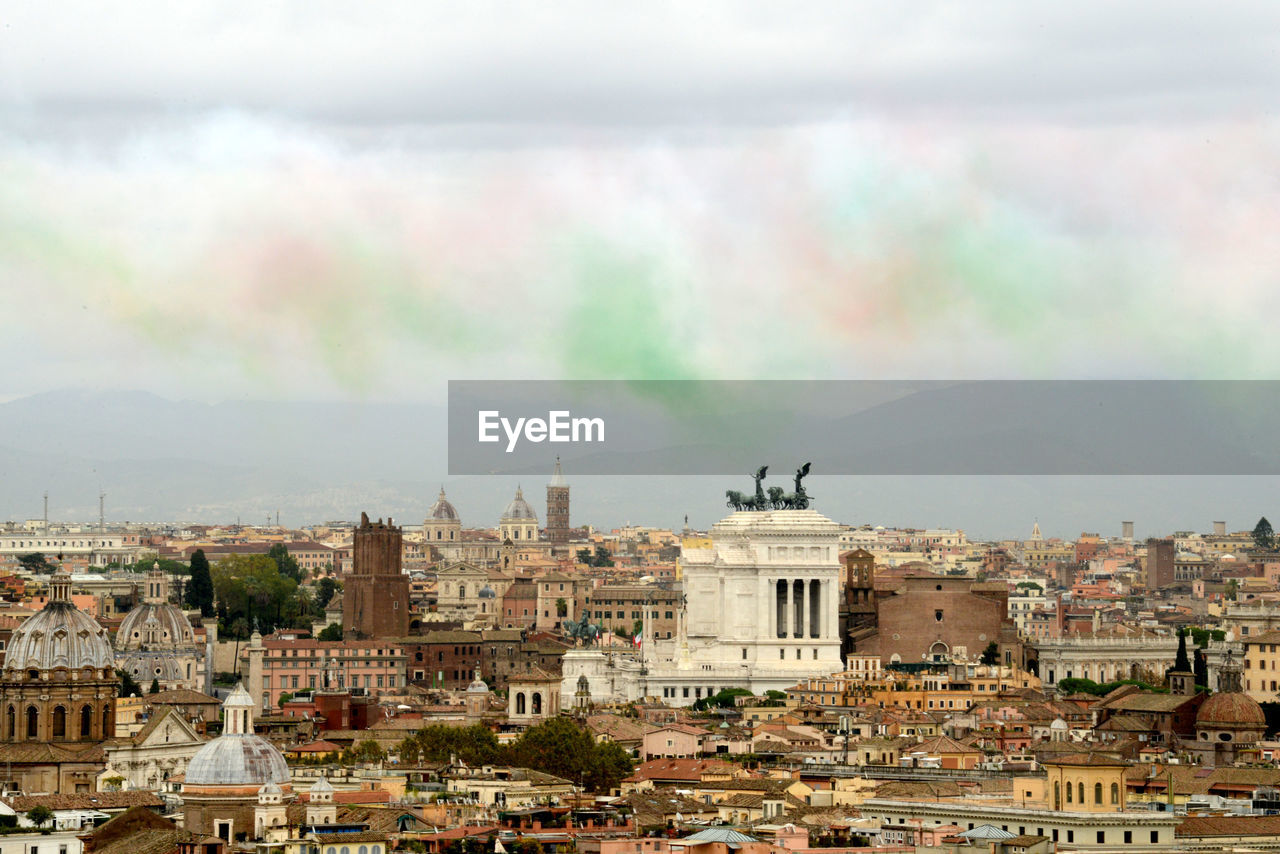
[
  {"x": 518, "y": 509},
  {"x": 239, "y": 759},
  {"x": 174, "y": 629},
  {"x": 442, "y": 510},
  {"x": 60, "y": 635},
  {"x": 487, "y": 592},
  {"x": 145, "y": 666}
]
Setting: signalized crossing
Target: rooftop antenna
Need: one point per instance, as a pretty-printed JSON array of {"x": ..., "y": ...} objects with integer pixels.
[
  {"x": 102, "y": 524},
  {"x": 46, "y": 509}
]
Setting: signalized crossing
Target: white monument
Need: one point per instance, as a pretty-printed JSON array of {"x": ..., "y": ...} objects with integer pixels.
[{"x": 760, "y": 612}]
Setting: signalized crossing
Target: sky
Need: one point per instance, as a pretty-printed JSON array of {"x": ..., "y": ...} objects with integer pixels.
[{"x": 325, "y": 201}]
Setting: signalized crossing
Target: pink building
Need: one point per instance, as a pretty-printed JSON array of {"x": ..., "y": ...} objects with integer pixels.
[{"x": 291, "y": 665}]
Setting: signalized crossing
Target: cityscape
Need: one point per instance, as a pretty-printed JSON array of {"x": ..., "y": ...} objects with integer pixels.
[{"x": 778, "y": 681}]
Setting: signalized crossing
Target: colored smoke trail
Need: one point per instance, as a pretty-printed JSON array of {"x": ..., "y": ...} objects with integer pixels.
[{"x": 240, "y": 256}]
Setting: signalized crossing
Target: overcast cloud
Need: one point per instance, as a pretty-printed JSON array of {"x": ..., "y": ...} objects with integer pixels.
[{"x": 622, "y": 65}]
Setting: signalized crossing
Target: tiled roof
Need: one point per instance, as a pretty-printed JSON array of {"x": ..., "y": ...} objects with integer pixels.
[
  {"x": 86, "y": 801},
  {"x": 1229, "y": 825}
]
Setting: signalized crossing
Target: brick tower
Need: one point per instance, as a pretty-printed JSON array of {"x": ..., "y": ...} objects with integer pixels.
[
  {"x": 375, "y": 601},
  {"x": 558, "y": 508}
]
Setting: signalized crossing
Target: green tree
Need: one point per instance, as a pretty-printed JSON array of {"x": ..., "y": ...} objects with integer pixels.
[
  {"x": 325, "y": 590},
  {"x": 1181, "y": 662},
  {"x": 155, "y": 686},
  {"x": 285, "y": 562},
  {"x": 365, "y": 751},
  {"x": 284, "y": 698},
  {"x": 562, "y": 747},
  {"x": 251, "y": 587},
  {"x": 562, "y": 607},
  {"x": 39, "y": 815},
  {"x": 723, "y": 700},
  {"x": 34, "y": 562},
  {"x": 1263, "y": 536},
  {"x": 609, "y": 765},
  {"x": 474, "y": 745},
  {"x": 200, "y": 587},
  {"x": 602, "y": 557},
  {"x": 128, "y": 687},
  {"x": 991, "y": 655},
  {"x": 113, "y": 783},
  {"x": 331, "y": 632}
]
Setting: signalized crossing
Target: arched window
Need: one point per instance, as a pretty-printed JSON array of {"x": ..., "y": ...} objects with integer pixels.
[
  {"x": 59, "y": 722},
  {"x": 86, "y": 721},
  {"x": 106, "y": 722},
  {"x": 1080, "y": 791},
  {"x": 1069, "y": 792},
  {"x": 1097, "y": 793},
  {"x": 10, "y": 724},
  {"x": 1057, "y": 794},
  {"x": 1115, "y": 793},
  {"x": 33, "y": 722},
  {"x": 537, "y": 702},
  {"x": 462, "y": 591},
  {"x": 520, "y": 703}
]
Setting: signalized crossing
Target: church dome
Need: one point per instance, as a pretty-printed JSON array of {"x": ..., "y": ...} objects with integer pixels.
[
  {"x": 518, "y": 509},
  {"x": 239, "y": 759},
  {"x": 1231, "y": 711},
  {"x": 487, "y": 592},
  {"x": 442, "y": 510},
  {"x": 60, "y": 635},
  {"x": 172, "y": 629}
]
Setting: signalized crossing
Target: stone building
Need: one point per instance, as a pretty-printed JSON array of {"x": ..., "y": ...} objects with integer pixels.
[
  {"x": 558, "y": 508},
  {"x": 159, "y": 751},
  {"x": 761, "y": 612},
  {"x": 1105, "y": 655},
  {"x": 442, "y": 529},
  {"x": 1230, "y": 723},
  {"x": 156, "y": 641},
  {"x": 936, "y": 618},
  {"x": 224, "y": 780},
  {"x": 375, "y": 599},
  {"x": 57, "y": 697},
  {"x": 533, "y": 697},
  {"x": 518, "y": 523}
]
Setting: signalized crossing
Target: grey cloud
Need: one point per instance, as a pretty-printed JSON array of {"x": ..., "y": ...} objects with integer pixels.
[{"x": 642, "y": 64}]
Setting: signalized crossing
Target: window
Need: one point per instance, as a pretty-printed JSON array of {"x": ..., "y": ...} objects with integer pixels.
[
  {"x": 1097, "y": 794},
  {"x": 1115, "y": 795},
  {"x": 1128, "y": 837},
  {"x": 1155, "y": 837},
  {"x": 1102, "y": 837}
]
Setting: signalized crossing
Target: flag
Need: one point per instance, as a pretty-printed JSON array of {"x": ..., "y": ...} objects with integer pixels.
[{"x": 636, "y": 640}]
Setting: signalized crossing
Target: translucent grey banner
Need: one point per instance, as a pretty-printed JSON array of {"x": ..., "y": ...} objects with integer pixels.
[{"x": 1064, "y": 427}]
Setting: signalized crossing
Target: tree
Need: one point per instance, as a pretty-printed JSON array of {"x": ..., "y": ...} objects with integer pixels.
[
  {"x": 1182, "y": 663},
  {"x": 325, "y": 590},
  {"x": 562, "y": 607},
  {"x": 200, "y": 588},
  {"x": 562, "y": 747},
  {"x": 284, "y": 698},
  {"x": 331, "y": 632},
  {"x": 723, "y": 700},
  {"x": 609, "y": 765},
  {"x": 155, "y": 686},
  {"x": 34, "y": 562},
  {"x": 991, "y": 655},
  {"x": 39, "y": 815},
  {"x": 1263, "y": 536},
  {"x": 128, "y": 687},
  {"x": 285, "y": 562},
  {"x": 251, "y": 587},
  {"x": 366, "y": 751},
  {"x": 474, "y": 745},
  {"x": 113, "y": 783}
]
